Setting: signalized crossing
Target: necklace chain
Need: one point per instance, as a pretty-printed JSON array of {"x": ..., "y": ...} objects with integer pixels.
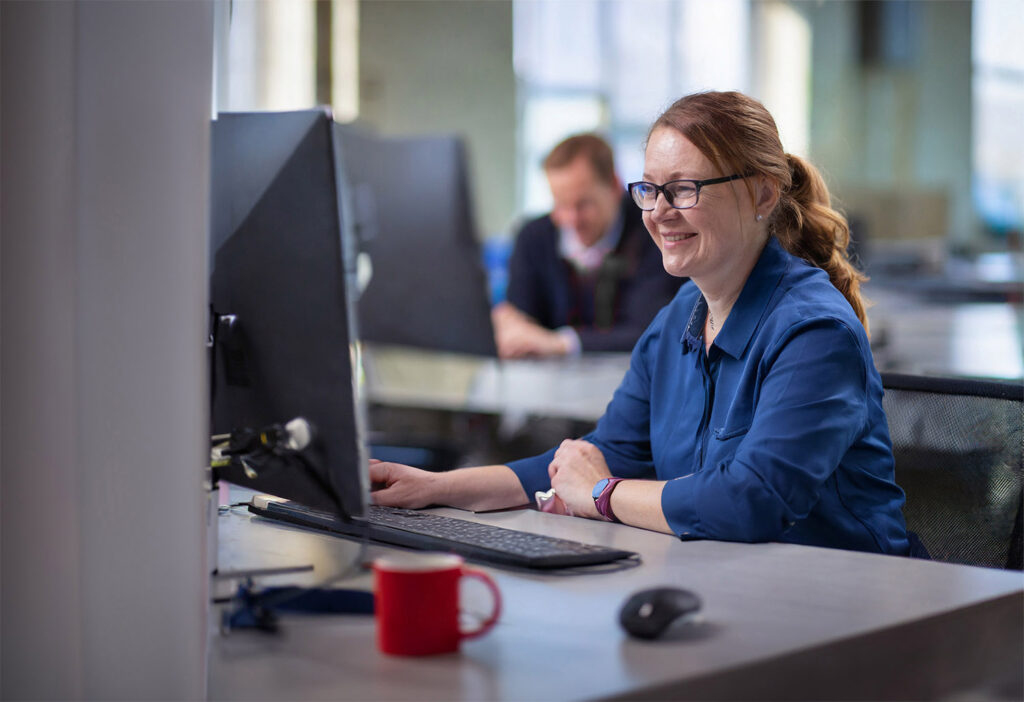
[{"x": 711, "y": 321}]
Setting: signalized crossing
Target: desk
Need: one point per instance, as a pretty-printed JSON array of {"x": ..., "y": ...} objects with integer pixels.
[
  {"x": 780, "y": 622},
  {"x": 974, "y": 339},
  {"x": 488, "y": 411},
  {"x": 575, "y": 388}
]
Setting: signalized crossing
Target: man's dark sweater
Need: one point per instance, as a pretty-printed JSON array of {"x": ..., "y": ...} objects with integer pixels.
[{"x": 610, "y": 307}]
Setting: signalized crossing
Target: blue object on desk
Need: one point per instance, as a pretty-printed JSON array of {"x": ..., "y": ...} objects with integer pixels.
[{"x": 258, "y": 609}]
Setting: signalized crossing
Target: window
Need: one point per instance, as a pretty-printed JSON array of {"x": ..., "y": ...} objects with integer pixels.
[
  {"x": 998, "y": 88},
  {"x": 612, "y": 66},
  {"x": 270, "y": 57}
]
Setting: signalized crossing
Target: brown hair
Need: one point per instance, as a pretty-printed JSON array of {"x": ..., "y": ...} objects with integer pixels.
[
  {"x": 593, "y": 148},
  {"x": 738, "y": 135}
]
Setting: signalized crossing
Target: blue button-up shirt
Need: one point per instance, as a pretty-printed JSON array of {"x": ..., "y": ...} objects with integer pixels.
[{"x": 777, "y": 433}]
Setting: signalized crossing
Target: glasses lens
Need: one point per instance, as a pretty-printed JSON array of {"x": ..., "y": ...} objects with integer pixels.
[
  {"x": 644, "y": 195},
  {"x": 684, "y": 193}
]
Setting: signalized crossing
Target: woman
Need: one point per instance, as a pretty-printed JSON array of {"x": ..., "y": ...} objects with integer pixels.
[{"x": 752, "y": 410}]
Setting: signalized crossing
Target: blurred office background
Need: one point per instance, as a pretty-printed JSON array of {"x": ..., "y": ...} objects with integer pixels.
[{"x": 911, "y": 108}]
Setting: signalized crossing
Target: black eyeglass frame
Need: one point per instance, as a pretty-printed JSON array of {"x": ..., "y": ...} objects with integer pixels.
[{"x": 697, "y": 185}]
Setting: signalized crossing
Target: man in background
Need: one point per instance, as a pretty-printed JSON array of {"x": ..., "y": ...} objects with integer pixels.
[{"x": 587, "y": 276}]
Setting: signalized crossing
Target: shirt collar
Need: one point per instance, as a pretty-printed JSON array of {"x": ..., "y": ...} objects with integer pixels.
[
  {"x": 749, "y": 308},
  {"x": 693, "y": 333},
  {"x": 589, "y": 257}
]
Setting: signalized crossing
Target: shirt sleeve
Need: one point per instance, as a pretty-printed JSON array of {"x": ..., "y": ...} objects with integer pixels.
[
  {"x": 810, "y": 407},
  {"x": 572, "y": 340},
  {"x": 622, "y": 434}
]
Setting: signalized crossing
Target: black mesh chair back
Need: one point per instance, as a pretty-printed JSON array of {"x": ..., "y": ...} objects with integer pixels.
[{"x": 959, "y": 448}]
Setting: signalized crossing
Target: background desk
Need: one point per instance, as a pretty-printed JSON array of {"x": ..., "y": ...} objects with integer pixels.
[
  {"x": 779, "y": 622},
  {"x": 922, "y": 335},
  {"x": 482, "y": 410},
  {"x": 576, "y": 388}
]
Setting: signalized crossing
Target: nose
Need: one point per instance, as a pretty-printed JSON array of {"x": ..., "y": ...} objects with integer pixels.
[
  {"x": 566, "y": 217},
  {"x": 661, "y": 207}
]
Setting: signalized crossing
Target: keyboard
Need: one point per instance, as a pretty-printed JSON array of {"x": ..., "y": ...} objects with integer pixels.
[{"x": 484, "y": 543}]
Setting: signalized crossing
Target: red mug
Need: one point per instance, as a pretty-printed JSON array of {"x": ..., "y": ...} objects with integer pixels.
[{"x": 417, "y": 603}]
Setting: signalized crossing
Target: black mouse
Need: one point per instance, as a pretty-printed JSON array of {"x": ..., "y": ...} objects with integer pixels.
[{"x": 648, "y": 613}]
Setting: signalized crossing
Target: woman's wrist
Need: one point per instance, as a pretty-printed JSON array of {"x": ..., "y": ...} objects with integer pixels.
[
  {"x": 441, "y": 489},
  {"x": 638, "y": 503},
  {"x": 479, "y": 488},
  {"x": 602, "y": 495}
]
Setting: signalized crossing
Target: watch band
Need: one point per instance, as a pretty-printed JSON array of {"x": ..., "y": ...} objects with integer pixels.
[{"x": 603, "y": 502}]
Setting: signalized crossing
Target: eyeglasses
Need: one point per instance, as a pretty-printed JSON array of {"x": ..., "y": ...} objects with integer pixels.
[{"x": 680, "y": 194}]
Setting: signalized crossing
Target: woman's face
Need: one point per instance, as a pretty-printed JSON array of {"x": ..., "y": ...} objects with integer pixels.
[{"x": 716, "y": 242}]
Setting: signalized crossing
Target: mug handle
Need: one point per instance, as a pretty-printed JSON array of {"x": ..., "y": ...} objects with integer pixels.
[{"x": 488, "y": 623}]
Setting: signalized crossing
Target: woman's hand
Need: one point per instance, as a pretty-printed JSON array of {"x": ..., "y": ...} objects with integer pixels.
[
  {"x": 397, "y": 485},
  {"x": 575, "y": 469}
]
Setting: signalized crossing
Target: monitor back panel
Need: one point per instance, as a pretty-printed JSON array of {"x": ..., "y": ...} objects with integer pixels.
[{"x": 410, "y": 205}]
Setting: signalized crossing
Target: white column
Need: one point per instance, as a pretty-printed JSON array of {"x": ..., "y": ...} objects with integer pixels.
[{"x": 105, "y": 143}]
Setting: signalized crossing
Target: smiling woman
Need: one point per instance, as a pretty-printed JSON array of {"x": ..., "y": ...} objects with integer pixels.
[
  {"x": 752, "y": 410},
  {"x": 781, "y": 195}
]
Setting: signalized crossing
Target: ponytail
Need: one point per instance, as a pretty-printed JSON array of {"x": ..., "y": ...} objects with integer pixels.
[{"x": 807, "y": 226}]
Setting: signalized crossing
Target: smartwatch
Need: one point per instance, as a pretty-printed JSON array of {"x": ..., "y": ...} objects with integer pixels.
[{"x": 602, "y": 494}]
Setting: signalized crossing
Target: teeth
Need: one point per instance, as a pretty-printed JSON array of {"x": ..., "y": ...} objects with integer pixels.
[{"x": 677, "y": 237}]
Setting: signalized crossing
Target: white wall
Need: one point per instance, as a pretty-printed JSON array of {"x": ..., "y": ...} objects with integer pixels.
[
  {"x": 446, "y": 66},
  {"x": 103, "y": 223}
]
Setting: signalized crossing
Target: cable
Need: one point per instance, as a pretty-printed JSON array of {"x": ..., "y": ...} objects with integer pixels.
[{"x": 258, "y": 609}]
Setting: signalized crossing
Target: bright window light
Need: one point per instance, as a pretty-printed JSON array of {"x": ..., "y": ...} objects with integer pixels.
[
  {"x": 998, "y": 105},
  {"x": 785, "y": 74},
  {"x": 613, "y": 66}
]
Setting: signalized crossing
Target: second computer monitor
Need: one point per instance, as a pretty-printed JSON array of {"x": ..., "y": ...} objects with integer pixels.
[{"x": 410, "y": 202}]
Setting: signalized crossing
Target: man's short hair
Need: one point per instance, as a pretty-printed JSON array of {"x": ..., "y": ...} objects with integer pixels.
[{"x": 593, "y": 148}]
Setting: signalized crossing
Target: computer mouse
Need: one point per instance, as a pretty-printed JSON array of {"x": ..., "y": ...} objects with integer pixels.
[{"x": 647, "y": 614}]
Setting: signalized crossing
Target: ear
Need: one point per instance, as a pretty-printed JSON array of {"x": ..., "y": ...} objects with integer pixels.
[{"x": 766, "y": 195}]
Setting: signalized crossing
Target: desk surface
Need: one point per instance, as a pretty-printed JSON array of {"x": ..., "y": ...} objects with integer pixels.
[
  {"x": 914, "y": 335},
  {"x": 568, "y": 388},
  {"x": 779, "y": 621}
]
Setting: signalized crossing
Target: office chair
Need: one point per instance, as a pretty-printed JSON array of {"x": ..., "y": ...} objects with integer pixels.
[{"x": 959, "y": 448}]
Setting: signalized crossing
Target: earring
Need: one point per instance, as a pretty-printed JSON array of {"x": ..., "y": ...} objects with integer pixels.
[{"x": 760, "y": 217}]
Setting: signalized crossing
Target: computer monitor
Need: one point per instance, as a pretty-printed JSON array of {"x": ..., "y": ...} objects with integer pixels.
[
  {"x": 412, "y": 211},
  {"x": 282, "y": 324}
]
